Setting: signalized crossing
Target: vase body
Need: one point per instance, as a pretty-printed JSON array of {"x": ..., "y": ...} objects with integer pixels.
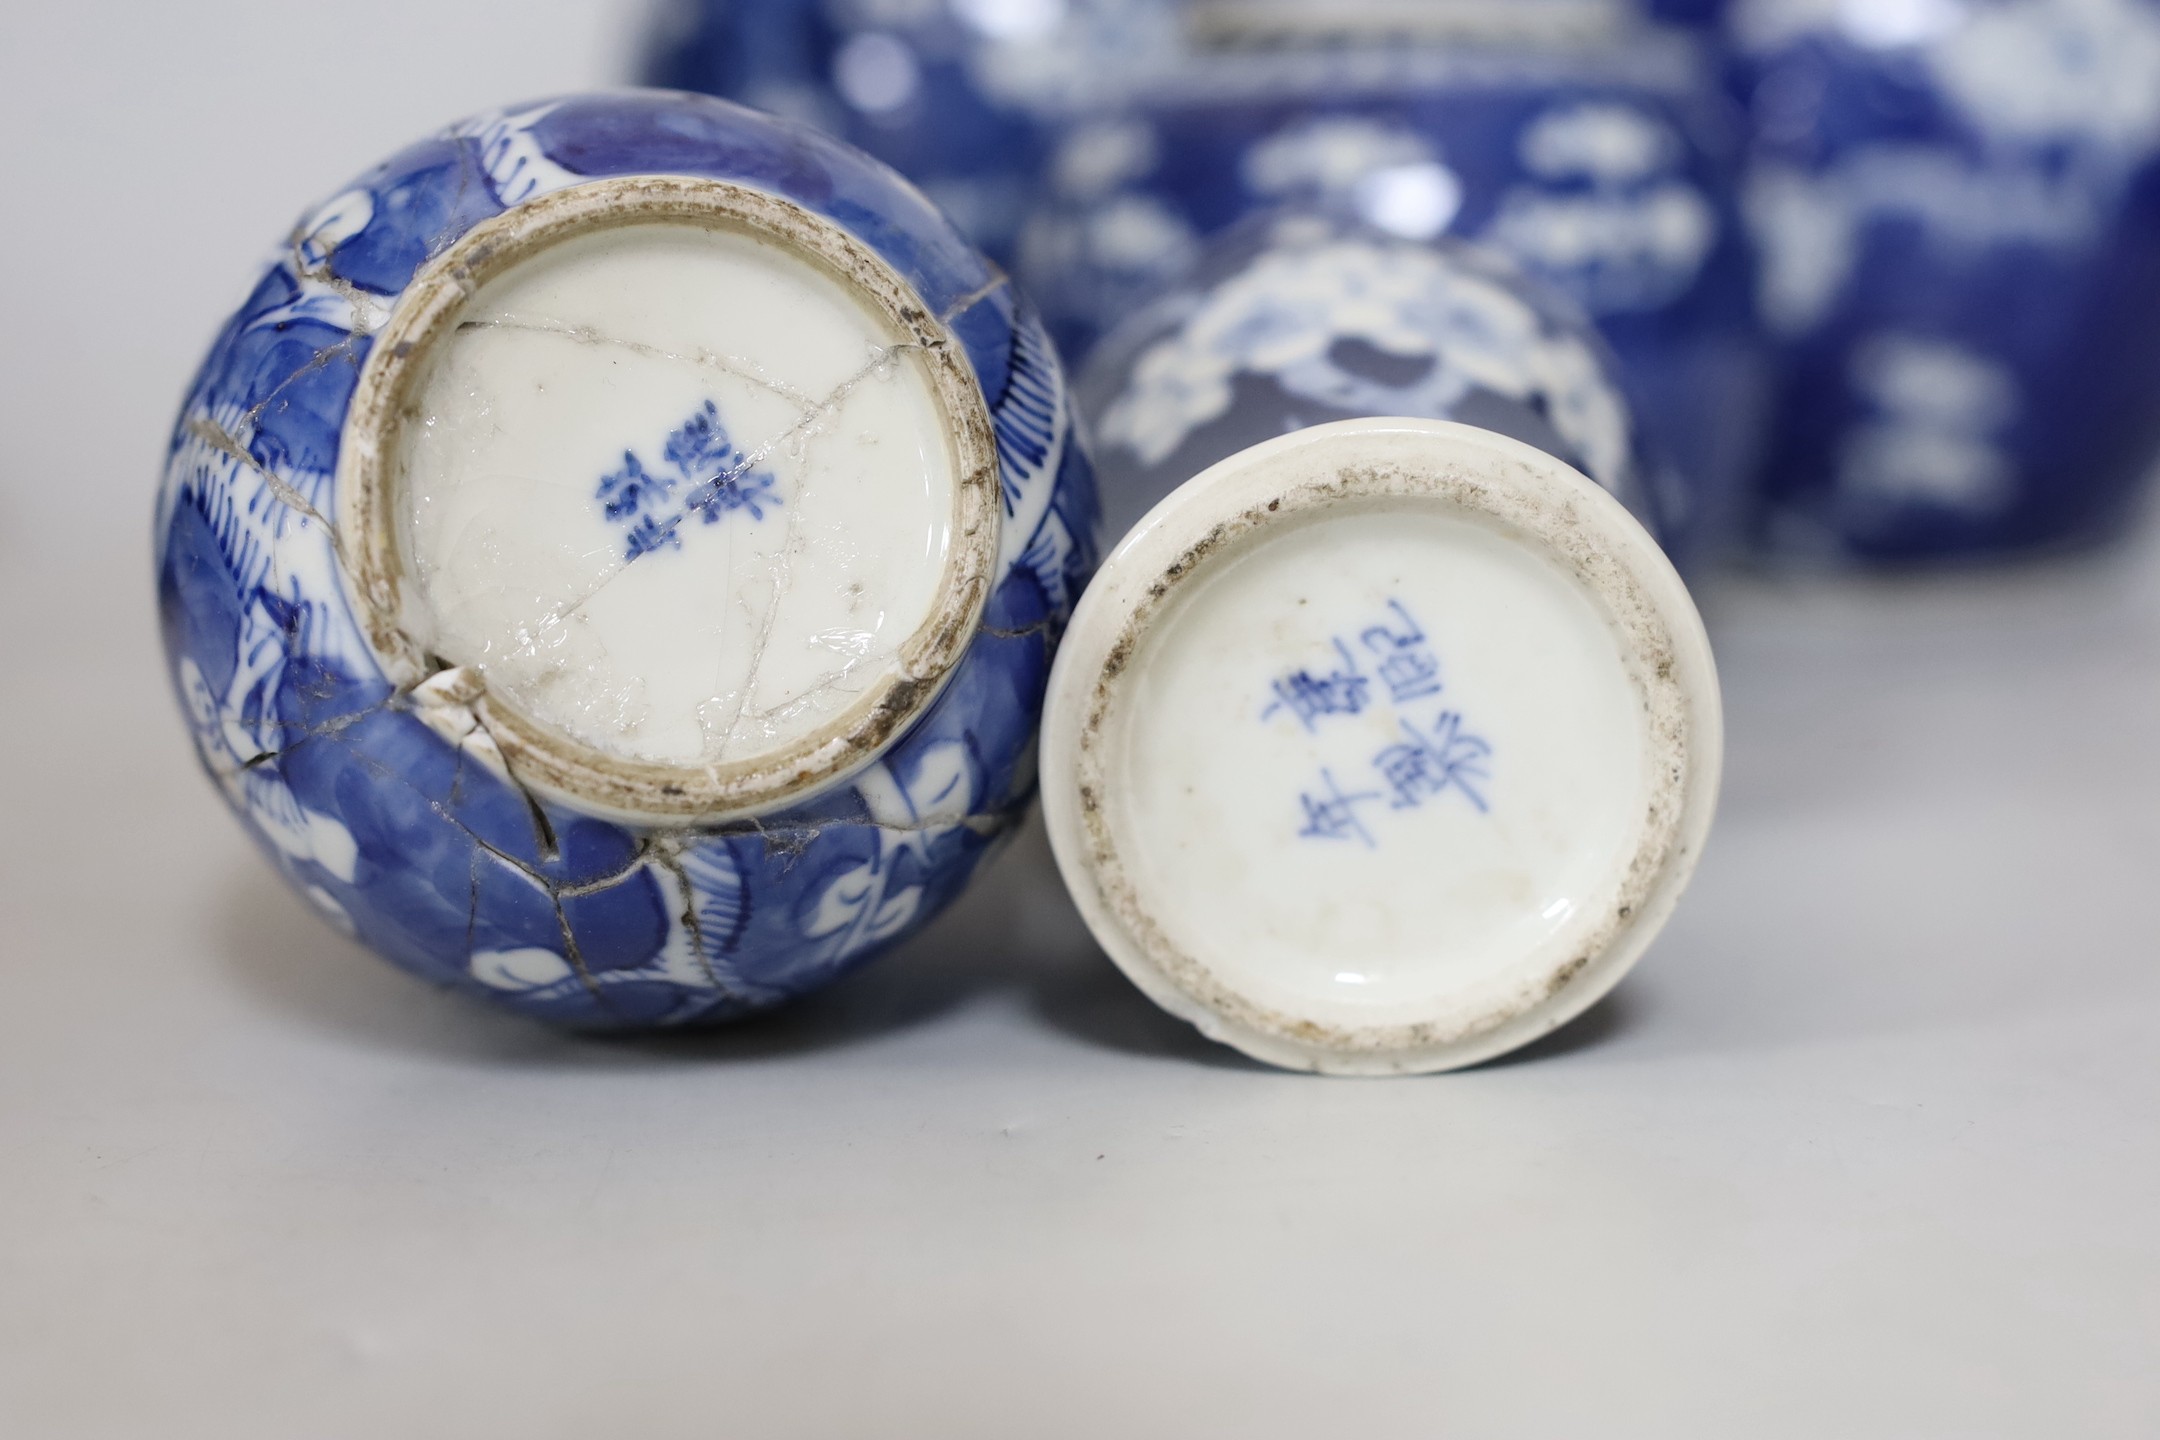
[
  {"x": 1388, "y": 735},
  {"x": 1958, "y": 209},
  {"x": 1307, "y": 317},
  {"x": 370, "y": 772}
]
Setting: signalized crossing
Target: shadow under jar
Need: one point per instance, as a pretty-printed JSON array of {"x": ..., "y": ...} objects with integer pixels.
[
  {"x": 612, "y": 561},
  {"x": 1388, "y": 738}
]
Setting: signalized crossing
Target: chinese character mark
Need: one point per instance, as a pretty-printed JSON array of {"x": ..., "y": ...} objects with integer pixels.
[
  {"x": 1430, "y": 763},
  {"x": 1332, "y": 814},
  {"x": 714, "y": 476},
  {"x": 1407, "y": 665},
  {"x": 1309, "y": 697}
]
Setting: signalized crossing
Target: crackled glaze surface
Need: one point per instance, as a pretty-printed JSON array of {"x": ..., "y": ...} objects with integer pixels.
[
  {"x": 1958, "y": 204},
  {"x": 675, "y": 493},
  {"x": 388, "y": 804}
]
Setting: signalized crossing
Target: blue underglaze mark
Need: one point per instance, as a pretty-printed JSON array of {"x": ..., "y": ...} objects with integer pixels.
[
  {"x": 1311, "y": 697},
  {"x": 1397, "y": 649},
  {"x": 1332, "y": 813},
  {"x": 1406, "y": 662},
  {"x": 701, "y": 461},
  {"x": 1433, "y": 757},
  {"x": 1435, "y": 760}
]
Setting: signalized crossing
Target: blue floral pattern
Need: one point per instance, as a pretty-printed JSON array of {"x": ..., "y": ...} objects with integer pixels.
[
  {"x": 389, "y": 809},
  {"x": 1295, "y": 319}
]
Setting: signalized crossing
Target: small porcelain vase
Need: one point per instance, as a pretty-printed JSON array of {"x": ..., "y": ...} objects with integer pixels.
[
  {"x": 961, "y": 96},
  {"x": 611, "y": 562},
  {"x": 1388, "y": 738},
  {"x": 1958, "y": 207},
  {"x": 1602, "y": 162}
]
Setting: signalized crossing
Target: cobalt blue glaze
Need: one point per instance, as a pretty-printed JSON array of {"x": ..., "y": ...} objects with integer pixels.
[
  {"x": 1702, "y": 14},
  {"x": 1604, "y": 169},
  {"x": 1296, "y": 319},
  {"x": 438, "y": 861},
  {"x": 961, "y": 96},
  {"x": 1959, "y": 211},
  {"x": 773, "y": 54}
]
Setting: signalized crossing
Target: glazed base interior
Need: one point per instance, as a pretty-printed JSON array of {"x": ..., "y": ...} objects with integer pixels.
[
  {"x": 674, "y": 491},
  {"x": 1376, "y": 758}
]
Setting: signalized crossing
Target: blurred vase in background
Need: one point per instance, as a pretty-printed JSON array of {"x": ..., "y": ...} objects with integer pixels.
[
  {"x": 1958, "y": 208},
  {"x": 1597, "y": 152},
  {"x": 1296, "y": 319},
  {"x": 1688, "y": 12},
  {"x": 961, "y": 96},
  {"x": 775, "y": 55}
]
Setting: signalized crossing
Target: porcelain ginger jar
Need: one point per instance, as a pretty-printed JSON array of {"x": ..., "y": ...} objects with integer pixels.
[
  {"x": 962, "y": 96},
  {"x": 1958, "y": 205},
  {"x": 1601, "y": 160},
  {"x": 1388, "y": 738},
  {"x": 612, "y": 560}
]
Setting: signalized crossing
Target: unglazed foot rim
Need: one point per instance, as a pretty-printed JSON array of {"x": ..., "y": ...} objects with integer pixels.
[
  {"x": 542, "y": 756},
  {"x": 1556, "y": 530}
]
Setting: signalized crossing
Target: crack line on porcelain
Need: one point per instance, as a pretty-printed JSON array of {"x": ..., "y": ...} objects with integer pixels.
[
  {"x": 369, "y": 783},
  {"x": 746, "y": 484},
  {"x": 822, "y": 727}
]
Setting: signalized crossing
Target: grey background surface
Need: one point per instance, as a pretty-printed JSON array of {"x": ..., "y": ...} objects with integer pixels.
[{"x": 1867, "y": 1148}]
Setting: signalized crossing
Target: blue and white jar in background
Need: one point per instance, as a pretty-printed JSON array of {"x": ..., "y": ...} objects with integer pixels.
[
  {"x": 1699, "y": 13},
  {"x": 774, "y": 55},
  {"x": 1604, "y": 167},
  {"x": 1958, "y": 206},
  {"x": 612, "y": 560},
  {"x": 1387, "y": 737},
  {"x": 1296, "y": 319},
  {"x": 961, "y": 96}
]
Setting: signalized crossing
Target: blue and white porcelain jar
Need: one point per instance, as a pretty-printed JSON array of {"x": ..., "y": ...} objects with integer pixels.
[
  {"x": 612, "y": 560},
  {"x": 1702, "y": 14},
  {"x": 961, "y": 96},
  {"x": 1958, "y": 205},
  {"x": 775, "y": 55},
  {"x": 1388, "y": 738},
  {"x": 1602, "y": 164}
]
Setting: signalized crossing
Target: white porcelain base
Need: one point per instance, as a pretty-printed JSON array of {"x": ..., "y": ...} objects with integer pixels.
[
  {"x": 672, "y": 492},
  {"x": 1383, "y": 747},
  {"x": 553, "y": 477}
]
